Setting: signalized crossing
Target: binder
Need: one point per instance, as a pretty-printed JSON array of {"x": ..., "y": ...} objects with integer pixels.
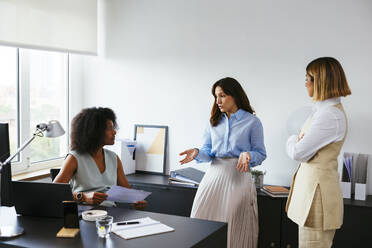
[{"x": 187, "y": 175}]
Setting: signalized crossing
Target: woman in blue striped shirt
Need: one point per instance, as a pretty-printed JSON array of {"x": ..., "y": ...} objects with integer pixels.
[{"x": 234, "y": 142}]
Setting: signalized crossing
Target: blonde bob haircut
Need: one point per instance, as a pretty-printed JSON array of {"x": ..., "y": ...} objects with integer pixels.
[{"x": 328, "y": 77}]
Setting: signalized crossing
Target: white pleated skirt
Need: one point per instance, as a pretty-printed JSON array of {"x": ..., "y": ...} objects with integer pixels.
[{"x": 227, "y": 195}]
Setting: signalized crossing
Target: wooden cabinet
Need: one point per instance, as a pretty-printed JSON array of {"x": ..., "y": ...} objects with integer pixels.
[
  {"x": 357, "y": 228},
  {"x": 355, "y": 231},
  {"x": 165, "y": 198},
  {"x": 275, "y": 229},
  {"x": 288, "y": 230},
  {"x": 178, "y": 200},
  {"x": 168, "y": 200},
  {"x": 269, "y": 215}
]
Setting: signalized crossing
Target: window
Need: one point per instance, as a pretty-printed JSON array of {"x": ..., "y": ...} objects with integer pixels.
[
  {"x": 37, "y": 86},
  {"x": 8, "y": 93},
  {"x": 48, "y": 101}
]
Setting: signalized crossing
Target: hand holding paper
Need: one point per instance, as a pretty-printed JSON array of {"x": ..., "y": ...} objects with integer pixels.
[{"x": 122, "y": 194}]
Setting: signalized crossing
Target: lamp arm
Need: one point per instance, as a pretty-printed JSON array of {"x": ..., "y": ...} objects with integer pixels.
[{"x": 19, "y": 150}]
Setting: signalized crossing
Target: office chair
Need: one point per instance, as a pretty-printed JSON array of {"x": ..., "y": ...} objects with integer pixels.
[{"x": 54, "y": 172}]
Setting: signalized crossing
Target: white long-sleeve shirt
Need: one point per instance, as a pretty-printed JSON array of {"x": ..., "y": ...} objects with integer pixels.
[{"x": 328, "y": 125}]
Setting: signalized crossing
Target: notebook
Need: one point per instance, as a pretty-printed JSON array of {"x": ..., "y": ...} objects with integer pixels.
[
  {"x": 146, "y": 227},
  {"x": 275, "y": 191}
]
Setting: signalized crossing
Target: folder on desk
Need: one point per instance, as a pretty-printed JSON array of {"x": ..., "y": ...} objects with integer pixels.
[
  {"x": 146, "y": 227},
  {"x": 187, "y": 175}
]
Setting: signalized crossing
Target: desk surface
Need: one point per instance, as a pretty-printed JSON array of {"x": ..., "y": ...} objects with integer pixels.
[{"x": 41, "y": 232}]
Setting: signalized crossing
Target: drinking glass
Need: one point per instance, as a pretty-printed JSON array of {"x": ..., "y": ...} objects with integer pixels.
[{"x": 104, "y": 226}]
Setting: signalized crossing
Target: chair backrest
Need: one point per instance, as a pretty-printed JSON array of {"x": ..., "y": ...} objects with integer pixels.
[{"x": 54, "y": 172}]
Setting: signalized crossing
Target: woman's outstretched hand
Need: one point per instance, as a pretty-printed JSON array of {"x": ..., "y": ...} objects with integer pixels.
[
  {"x": 190, "y": 155},
  {"x": 243, "y": 162}
]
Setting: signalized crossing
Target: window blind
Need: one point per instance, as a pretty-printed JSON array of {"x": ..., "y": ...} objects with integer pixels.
[{"x": 68, "y": 25}]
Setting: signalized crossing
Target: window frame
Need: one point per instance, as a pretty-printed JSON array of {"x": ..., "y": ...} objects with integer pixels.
[{"x": 23, "y": 164}]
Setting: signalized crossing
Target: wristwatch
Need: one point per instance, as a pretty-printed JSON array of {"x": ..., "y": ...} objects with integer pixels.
[{"x": 79, "y": 196}]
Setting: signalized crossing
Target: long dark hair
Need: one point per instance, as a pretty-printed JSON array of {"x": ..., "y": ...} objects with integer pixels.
[
  {"x": 232, "y": 88},
  {"x": 88, "y": 129}
]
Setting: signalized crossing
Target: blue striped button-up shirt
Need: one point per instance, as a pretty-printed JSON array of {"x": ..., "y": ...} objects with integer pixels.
[{"x": 242, "y": 132}]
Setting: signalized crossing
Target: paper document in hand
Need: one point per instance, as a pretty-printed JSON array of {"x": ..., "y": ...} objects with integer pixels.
[
  {"x": 122, "y": 194},
  {"x": 146, "y": 227}
]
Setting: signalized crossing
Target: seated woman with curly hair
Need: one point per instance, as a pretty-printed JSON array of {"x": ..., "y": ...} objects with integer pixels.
[{"x": 89, "y": 168}]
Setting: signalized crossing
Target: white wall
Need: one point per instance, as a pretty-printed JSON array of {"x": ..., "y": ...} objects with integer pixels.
[
  {"x": 76, "y": 85},
  {"x": 158, "y": 60}
]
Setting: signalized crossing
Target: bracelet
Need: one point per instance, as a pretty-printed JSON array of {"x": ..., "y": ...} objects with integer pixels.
[{"x": 79, "y": 197}]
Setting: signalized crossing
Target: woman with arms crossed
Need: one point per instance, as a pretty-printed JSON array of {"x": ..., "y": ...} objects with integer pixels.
[
  {"x": 234, "y": 142},
  {"x": 91, "y": 169},
  {"x": 315, "y": 201}
]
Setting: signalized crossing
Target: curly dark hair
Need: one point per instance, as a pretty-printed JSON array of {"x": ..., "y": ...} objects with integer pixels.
[{"x": 88, "y": 129}]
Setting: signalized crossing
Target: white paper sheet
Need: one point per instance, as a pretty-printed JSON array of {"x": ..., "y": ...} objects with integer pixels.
[
  {"x": 360, "y": 191},
  {"x": 146, "y": 227},
  {"x": 122, "y": 194},
  {"x": 346, "y": 189}
]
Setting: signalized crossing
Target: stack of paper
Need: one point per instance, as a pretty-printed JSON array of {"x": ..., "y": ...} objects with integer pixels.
[
  {"x": 354, "y": 177},
  {"x": 275, "y": 191},
  {"x": 146, "y": 227},
  {"x": 122, "y": 194}
]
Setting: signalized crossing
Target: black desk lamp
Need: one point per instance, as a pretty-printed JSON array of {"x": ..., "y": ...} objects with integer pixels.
[{"x": 52, "y": 129}]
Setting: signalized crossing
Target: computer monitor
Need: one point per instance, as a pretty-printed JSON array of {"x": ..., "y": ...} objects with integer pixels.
[
  {"x": 41, "y": 199},
  {"x": 6, "y": 171},
  {"x": 4, "y": 142}
]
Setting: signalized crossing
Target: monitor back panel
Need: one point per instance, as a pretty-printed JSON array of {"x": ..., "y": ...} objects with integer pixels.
[
  {"x": 41, "y": 199},
  {"x": 4, "y": 142}
]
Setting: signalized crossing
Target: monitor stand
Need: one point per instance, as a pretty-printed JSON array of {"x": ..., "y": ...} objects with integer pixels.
[
  {"x": 6, "y": 196},
  {"x": 10, "y": 231}
]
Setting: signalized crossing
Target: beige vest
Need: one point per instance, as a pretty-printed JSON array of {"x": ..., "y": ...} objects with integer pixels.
[{"x": 319, "y": 170}]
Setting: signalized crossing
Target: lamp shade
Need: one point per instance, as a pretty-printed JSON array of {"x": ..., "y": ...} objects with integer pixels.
[{"x": 54, "y": 129}]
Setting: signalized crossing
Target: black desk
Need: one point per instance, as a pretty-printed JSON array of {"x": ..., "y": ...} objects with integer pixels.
[{"x": 41, "y": 232}]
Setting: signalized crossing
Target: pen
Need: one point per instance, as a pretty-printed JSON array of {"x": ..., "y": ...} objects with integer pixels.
[{"x": 127, "y": 223}]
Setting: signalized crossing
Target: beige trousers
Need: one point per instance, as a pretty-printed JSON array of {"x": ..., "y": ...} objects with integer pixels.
[{"x": 312, "y": 234}]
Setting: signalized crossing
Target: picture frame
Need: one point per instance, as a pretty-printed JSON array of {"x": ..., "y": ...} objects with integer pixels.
[{"x": 151, "y": 148}]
